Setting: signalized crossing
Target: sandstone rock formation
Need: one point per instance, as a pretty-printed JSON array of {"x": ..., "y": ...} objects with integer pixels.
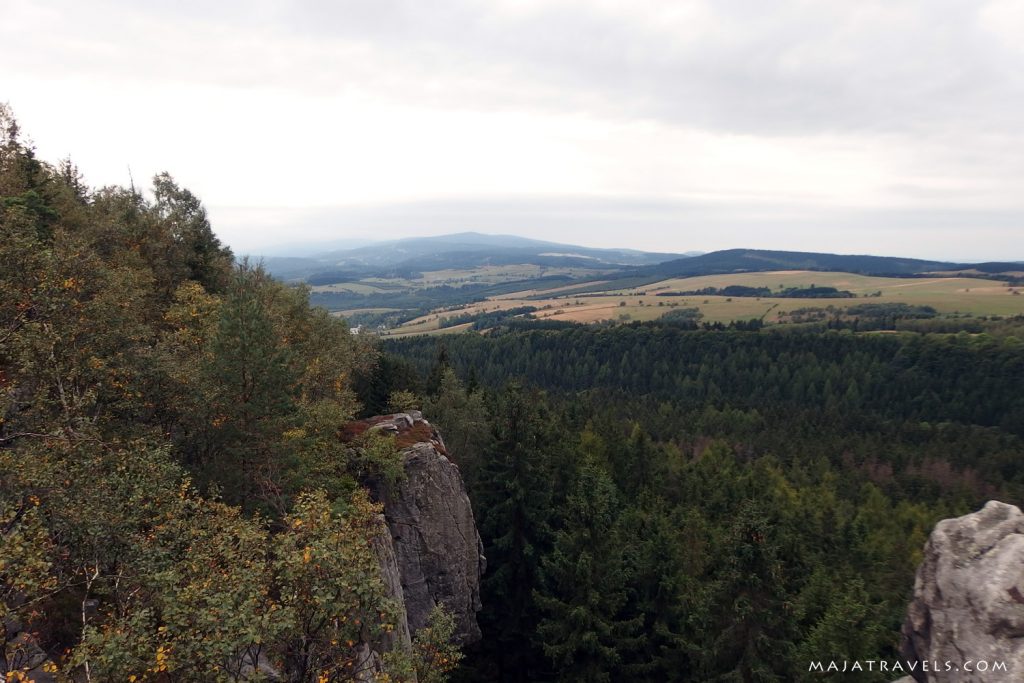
[
  {"x": 968, "y": 605},
  {"x": 437, "y": 549}
]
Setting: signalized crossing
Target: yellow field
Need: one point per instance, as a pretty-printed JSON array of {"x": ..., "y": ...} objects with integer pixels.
[
  {"x": 946, "y": 294},
  {"x": 532, "y": 292}
]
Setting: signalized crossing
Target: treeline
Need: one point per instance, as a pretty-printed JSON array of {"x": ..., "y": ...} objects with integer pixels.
[
  {"x": 969, "y": 379},
  {"x": 425, "y": 299},
  {"x": 811, "y": 292},
  {"x": 902, "y": 318},
  {"x": 486, "y": 319},
  {"x": 175, "y": 504}
]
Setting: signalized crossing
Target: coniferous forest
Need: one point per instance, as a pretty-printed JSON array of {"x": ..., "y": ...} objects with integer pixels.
[
  {"x": 663, "y": 503},
  {"x": 657, "y": 502}
]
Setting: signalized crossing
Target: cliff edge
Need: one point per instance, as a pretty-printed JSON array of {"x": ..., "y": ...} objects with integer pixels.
[{"x": 437, "y": 549}]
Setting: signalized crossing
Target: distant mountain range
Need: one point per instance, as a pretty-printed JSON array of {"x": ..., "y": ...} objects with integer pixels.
[
  {"x": 407, "y": 258},
  {"x": 759, "y": 260},
  {"x": 400, "y": 258}
]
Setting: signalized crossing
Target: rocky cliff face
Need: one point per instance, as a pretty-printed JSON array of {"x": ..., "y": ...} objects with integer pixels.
[
  {"x": 437, "y": 550},
  {"x": 968, "y": 605},
  {"x": 370, "y": 654}
]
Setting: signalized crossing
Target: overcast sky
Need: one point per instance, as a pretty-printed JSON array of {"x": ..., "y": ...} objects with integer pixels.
[{"x": 868, "y": 126}]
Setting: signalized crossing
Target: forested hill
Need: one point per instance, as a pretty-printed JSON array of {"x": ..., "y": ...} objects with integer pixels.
[
  {"x": 740, "y": 260},
  {"x": 175, "y": 501},
  {"x": 460, "y": 251}
]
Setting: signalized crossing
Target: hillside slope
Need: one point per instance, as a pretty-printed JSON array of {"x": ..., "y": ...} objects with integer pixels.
[
  {"x": 739, "y": 260},
  {"x": 458, "y": 251}
]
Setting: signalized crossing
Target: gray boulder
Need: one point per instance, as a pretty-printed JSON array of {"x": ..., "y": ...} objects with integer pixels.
[{"x": 968, "y": 604}]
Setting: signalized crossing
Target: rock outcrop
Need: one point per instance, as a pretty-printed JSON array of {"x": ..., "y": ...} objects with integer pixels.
[
  {"x": 968, "y": 605},
  {"x": 437, "y": 549}
]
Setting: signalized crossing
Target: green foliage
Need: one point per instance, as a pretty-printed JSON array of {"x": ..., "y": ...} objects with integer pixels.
[
  {"x": 135, "y": 357},
  {"x": 662, "y": 559},
  {"x": 26, "y": 576},
  {"x": 515, "y": 503},
  {"x": 462, "y": 417},
  {"x": 192, "y": 602},
  {"x": 680, "y": 504},
  {"x": 375, "y": 456},
  {"x": 584, "y": 586},
  {"x": 845, "y": 632},
  {"x": 772, "y": 491},
  {"x": 330, "y": 588},
  {"x": 750, "y": 619},
  {"x": 197, "y": 249},
  {"x": 251, "y": 403},
  {"x": 936, "y": 378},
  {"x": 434, "y": 653},
  {"x": 682, "y": 315},
  {"x": 402, "y": 401}
]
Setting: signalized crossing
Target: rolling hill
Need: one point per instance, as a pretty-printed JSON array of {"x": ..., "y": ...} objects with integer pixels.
[
  {"x": 758, "y": 260},
  {"x": 405, "y": 257}
]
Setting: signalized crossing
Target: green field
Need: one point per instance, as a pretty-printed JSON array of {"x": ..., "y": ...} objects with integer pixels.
[
  {"x": 484, "y": 275},
  {"x": 353, "y": 287},
  {"x": 429, "y": 328}
]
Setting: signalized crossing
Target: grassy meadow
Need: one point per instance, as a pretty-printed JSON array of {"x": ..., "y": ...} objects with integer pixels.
[{"x": 947, "y": 295}]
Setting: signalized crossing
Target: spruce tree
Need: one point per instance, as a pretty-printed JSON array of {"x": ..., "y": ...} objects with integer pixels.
[
  {"x": 514, "y": 506},
  {"x": 584, "y": 632},
  {"x": 751, "y": 628},
  {"x": 662, "y": 592}
]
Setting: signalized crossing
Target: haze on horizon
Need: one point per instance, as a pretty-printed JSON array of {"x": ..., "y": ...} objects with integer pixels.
[{"x": 876, "y": 127}]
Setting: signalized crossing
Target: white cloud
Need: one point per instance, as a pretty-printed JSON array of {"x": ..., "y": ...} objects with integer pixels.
[{"x": 791, "y": 108}]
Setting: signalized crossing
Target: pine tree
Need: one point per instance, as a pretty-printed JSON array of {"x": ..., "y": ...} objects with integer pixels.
[
  {"x": 849, "y": 630},
  {"x": 462, "y": 418},
  {"x": 198, "y": 250},
  {"x": 441, "y": 363}
]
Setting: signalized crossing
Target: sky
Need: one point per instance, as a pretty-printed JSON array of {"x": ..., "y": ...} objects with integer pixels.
[{"x": 888, "y": 127}]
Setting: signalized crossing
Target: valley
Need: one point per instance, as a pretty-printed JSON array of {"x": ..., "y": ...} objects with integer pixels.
[{"x": 443, "y": 285}]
